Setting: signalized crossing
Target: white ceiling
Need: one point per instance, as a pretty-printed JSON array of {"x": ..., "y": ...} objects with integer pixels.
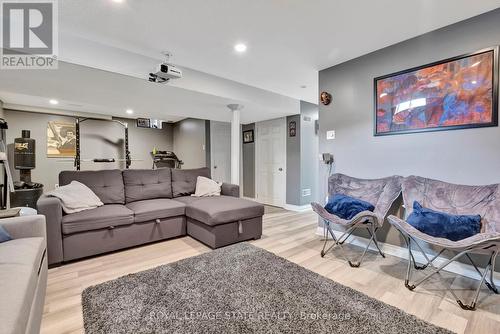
[
  {"x": 288, "y": 41},
  {"x": 87, "y": 90}
]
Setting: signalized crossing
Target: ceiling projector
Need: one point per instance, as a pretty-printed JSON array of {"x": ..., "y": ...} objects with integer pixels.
[{"x": 164, "y": 72}]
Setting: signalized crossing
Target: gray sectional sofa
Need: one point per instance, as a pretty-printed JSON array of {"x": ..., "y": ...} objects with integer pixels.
[
  {"x": 142, "y": 206},
  {"x": 23, "y": 275}
]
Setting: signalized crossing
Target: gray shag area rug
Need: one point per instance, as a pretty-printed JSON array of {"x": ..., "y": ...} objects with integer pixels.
[{"x": 238, "y": 289}]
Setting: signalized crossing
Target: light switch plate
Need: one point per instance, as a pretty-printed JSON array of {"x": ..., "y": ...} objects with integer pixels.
[{"x": 330, "y": 135}]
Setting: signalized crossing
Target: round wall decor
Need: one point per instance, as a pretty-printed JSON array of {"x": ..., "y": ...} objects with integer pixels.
[{"x": 325, "y": 98}]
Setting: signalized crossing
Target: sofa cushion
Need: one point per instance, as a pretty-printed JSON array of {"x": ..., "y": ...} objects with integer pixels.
[
  {"x": 20, "y": 261},
  {"x": 152, "y": 209},
  {"x": 106, "y": 216},
  {"x": 223, "y": 209},
  {"x": 141, "y": 184},
  {"x": 106, "y": 184},
  {"x": 187, "y": 199},
  {"x": 184, "y": 180}
]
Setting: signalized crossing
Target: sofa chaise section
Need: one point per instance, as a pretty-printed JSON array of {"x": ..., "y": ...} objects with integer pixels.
[
  {"x": 220, "y": 221},
  {"x": 216, "y": 221}
]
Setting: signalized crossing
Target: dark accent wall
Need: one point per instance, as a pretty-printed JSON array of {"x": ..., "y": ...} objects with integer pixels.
[
  {"x": 248, "y": 156},
  {"x": 293, "y": 178},
  {"x": 309, "y": 157},
  {"x": 208, "y": 144},
  {"x": 469, "y": 156},
  {"x": 302, "y": 157}
]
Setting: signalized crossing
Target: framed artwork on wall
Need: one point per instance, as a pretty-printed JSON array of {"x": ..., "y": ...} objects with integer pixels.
[
  {"x": 248, "y": 137},
  {"x": 456, "y": 93},
  {"x": 61, "y": 139}
]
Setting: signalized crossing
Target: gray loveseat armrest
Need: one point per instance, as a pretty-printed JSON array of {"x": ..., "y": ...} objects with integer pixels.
[
  {"x": 25, "y": 226},
  {"x": 230, "y": 190},
  {"x": 51, "y": 208}
]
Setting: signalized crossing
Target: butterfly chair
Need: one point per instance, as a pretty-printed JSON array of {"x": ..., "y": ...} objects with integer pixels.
[
  {"x": 381, "y": 193},
  {"x": 453, "y": 199}
]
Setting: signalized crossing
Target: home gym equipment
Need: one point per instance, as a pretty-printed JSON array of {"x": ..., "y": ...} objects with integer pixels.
[
  {"x": 162, "y": 159},
  {"x": 26, "y": 192},
  {"x": 78, "y": 159}
]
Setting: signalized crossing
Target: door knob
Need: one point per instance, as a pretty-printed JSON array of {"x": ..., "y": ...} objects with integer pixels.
[
  {"x": 280, "y": 169},
  {"x": 215, "y": 167}
]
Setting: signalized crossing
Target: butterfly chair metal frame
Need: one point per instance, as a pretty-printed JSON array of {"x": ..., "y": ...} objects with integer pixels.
[
  {"x": 339, "y": 241},
  {"x": 380, "y": 192},
  {"x": 485, "y": 243}
]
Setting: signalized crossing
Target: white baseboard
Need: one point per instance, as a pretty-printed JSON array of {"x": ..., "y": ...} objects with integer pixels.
[
  {"x": 458, "y": 268},
  {"x": 297, "y": 208}
]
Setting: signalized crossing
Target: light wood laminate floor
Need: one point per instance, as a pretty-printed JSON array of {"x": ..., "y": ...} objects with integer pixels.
[{"x": 292, "y": 236}]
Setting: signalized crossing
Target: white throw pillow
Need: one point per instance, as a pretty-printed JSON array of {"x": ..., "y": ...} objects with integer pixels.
[
  {"x": 206, "y": 187},
  {"x": 76, "y": 197}
]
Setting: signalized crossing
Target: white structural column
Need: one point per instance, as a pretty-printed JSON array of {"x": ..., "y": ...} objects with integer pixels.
[{"x": 235, "y": 142}]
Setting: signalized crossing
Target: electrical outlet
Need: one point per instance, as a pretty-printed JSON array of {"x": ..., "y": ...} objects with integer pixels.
[{"x": 330, "y": 135}]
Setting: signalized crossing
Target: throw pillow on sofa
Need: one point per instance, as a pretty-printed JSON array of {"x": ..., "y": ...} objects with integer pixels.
[
  {"x": 206, "y": 187},
  {"x": 444, "y": 225},
  {"x": 346, "y": 207},
  {"x": 76, "y": 197},
  {"x": 4, "y": 235}
]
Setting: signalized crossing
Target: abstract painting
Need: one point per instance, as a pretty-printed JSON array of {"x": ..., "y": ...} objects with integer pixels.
[
  {"x": 61, "y": 139},
  {"x": 456, "y": 93}
]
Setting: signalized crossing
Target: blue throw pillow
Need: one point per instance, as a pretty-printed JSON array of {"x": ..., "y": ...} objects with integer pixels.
[
  {"x": 444, "y": 225},
  {"x": 347, "y": 207},
  {"x": 4, "y": 235}
]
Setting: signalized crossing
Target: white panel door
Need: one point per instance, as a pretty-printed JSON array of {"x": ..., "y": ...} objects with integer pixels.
[
  {"x": 220, "y": 151},
  {"x": 270, "y": 162}
]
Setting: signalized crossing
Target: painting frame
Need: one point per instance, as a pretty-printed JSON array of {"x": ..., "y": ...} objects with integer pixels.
[
  {"x": 248, "y": 136},
  {"x": 495, "y": 94},
  {"x": 61, "y": 139}
]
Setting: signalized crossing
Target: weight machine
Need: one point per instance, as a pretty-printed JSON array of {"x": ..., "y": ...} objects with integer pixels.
[{"x": 78, "y": 160}]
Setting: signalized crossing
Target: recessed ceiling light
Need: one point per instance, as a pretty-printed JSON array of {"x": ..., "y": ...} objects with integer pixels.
[
  {"x": 118, "y": 1},
  {"x": 240, "y": 47},
  {"x": 129, "y": 111},
  {"x": 54, "y": 102}
]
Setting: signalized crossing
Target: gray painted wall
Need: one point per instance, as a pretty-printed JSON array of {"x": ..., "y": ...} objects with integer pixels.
[
  {"x": 248, "y": 164},
  {"x": 302, "y": 157},
  {"x": 469, "y": 156},
  {"x": 100, "y": 139},
  {"x": 309, "y": 145},
  {"x": 293, "y": 164},
  {"x": 189, "y": 142}
]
